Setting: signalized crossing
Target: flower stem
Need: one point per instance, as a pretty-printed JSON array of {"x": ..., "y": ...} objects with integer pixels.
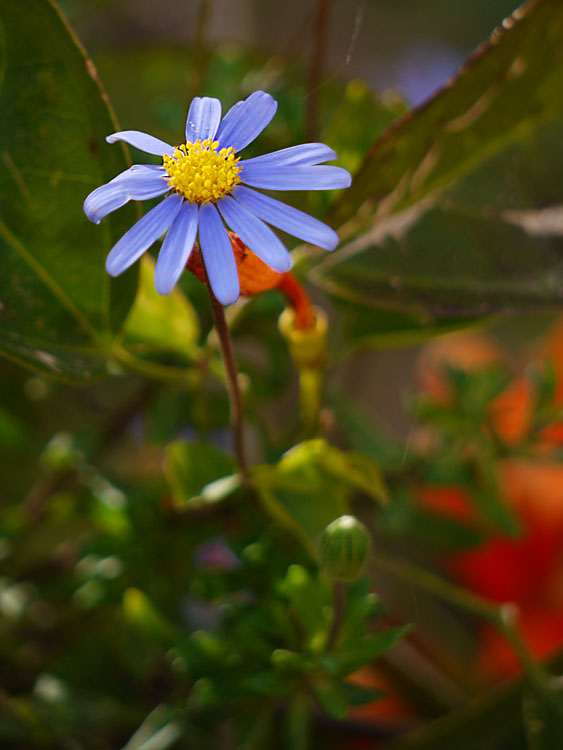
[
  {"x": 338, "y": 607},
  {"x": 235, "y": 396},
  {"x": 316, "y": 67},
  {"x": 305, "y": 330},
  {"x": 298, "y": 721}
]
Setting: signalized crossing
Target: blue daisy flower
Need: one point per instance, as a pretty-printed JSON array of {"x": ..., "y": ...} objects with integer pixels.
[{"x": 207, "y": 185}]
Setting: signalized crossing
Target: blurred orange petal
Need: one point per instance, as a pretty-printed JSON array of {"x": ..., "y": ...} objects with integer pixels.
[
  {"x": 535, "y": 489},
  {"x": 512, "y": 411},
  {"x": 464, "y": 351},
  {"x": 512, "y": 570},
  {"x": 448, "y": 500}
]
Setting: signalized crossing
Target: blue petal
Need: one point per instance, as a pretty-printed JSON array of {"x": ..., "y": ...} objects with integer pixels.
[
  {"x": 137, "y": 183},
  {"x": 254, "y": 233},
  {"x": 142, "y": 234},
  {"x": 140, "y": 170},
  {"x": 305, "y": 153},
  {"x": 287, "y": 218},
  {"x": 246, "y": 120},
  {"x": 203, "y": 118},
  {"x": 144, "y": 142},
  {"x": 295, "y": 178},
  {"x": 218, "y": 255},
  {"x": 176, "y": 249}
]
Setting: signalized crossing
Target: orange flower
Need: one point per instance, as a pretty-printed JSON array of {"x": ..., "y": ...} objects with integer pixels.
[
  {"x": 528, "y": 570},
  {"x": 256, "y": 277},
  {"x": 512, "y": 411},
  {"x": 464, "y": 351}
]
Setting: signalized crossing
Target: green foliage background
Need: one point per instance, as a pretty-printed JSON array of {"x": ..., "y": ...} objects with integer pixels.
[{"x": 147, "y": 600}]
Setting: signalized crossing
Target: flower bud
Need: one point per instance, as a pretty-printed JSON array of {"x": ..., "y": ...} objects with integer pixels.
[
  {"x": 60, "y": 453},
  {"x": 344, "y": 549},
  {"x": 307, "y": 346}
]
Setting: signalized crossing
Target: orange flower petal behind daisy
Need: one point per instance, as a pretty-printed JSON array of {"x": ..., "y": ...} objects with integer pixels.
[{"x": 254, "y": 275}]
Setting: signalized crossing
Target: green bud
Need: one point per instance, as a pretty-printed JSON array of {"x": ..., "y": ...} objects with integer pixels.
[
  {"x": 285, "y": 659},
  {"x": 344, "y": 549},
  {"x": 203, "y": 694},
  {"x": 307, "y": 346},
  {"x": 60, "y": 453}
]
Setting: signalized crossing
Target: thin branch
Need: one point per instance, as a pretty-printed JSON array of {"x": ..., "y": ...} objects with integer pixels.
[
  {"x": 316, "y": 68},
  {"x": 501, "y": 616},
  {"x": 235, "y": 396}
]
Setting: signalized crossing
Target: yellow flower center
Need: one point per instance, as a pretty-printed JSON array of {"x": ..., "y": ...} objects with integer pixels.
[{"x": 201, "y": 173}]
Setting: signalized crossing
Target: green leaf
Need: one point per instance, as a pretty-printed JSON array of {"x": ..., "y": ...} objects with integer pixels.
[
  {"x": 59, "y": 307},
  {"x": 298, "y": 721},
  {"x": 141, "y": 612},
  {"x": 159, "y": 731},
  {"x": 359, "y": 118},
  {"x": 506, "y": 91},
  {"x": 376, "y": 328},
  {"x": 310, "y": 597},
  {"x": 356, "y": 615},
  {"x": 367, "y": 649},
  {"x": 300, "y": 494},
  {"x": 289, "y": 660},
  {"x": 161, "y": 323},
  {"x": 332, "y": 696},
  {"x": 451, "y": 265},
  {"x": 486, "y": 494},
  {"x": 198, "y": 473},
  {"x": 455, "y": 212},
  {"x": 354, "y": 469},
  {"x": 311, "y": 486},
  {"x": 357, "y": 695}
]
